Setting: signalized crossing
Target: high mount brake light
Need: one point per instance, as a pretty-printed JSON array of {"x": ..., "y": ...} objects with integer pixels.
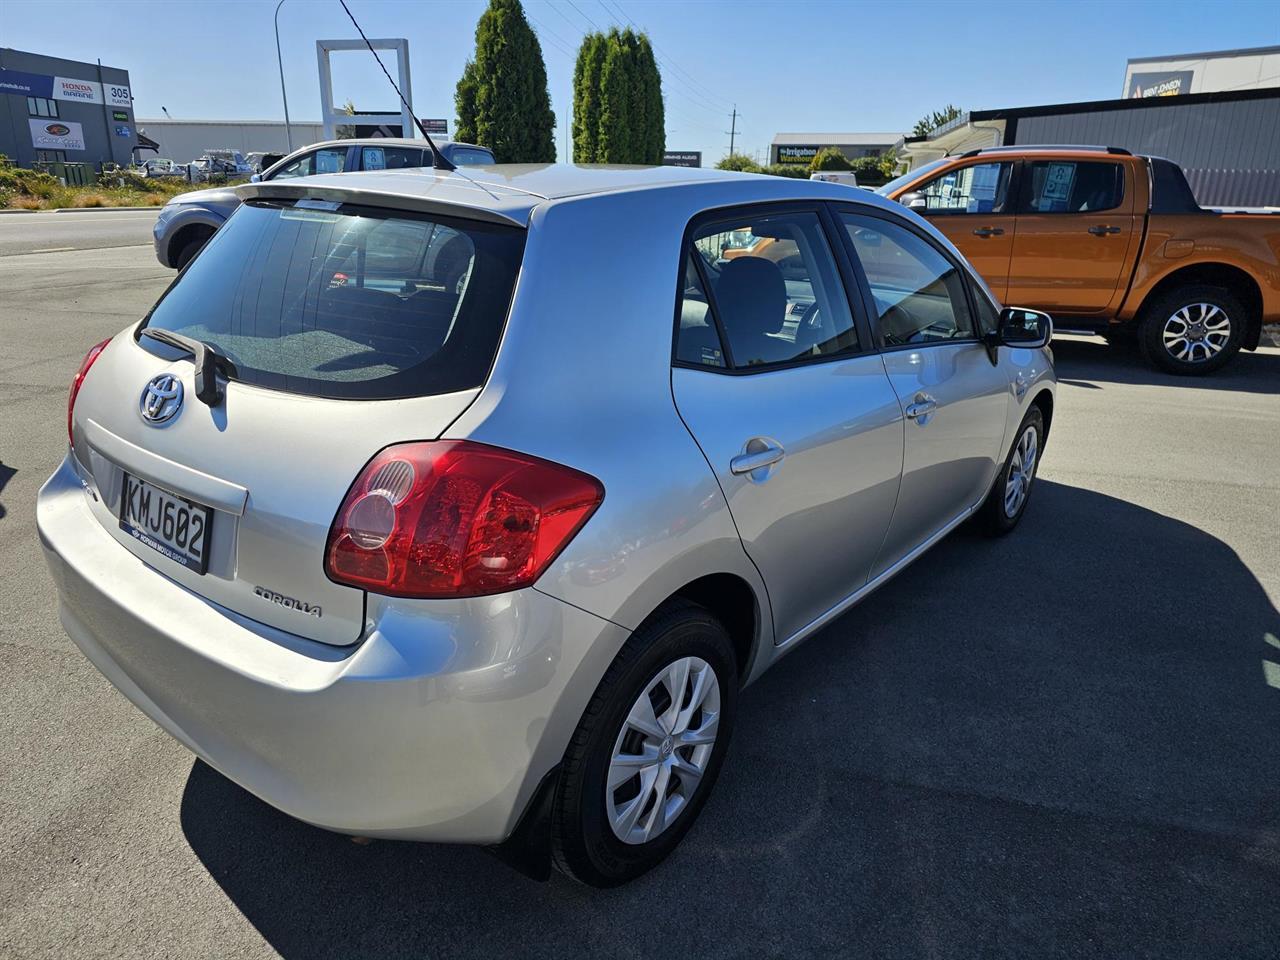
[
  {"x": 77, "y": 380},
  {"x": 453, "y": 518}
]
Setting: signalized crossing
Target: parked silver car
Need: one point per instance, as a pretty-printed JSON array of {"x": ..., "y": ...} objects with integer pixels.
[
  {"x": 188, "y": 220},
  {"x": 470, "y": 522}
]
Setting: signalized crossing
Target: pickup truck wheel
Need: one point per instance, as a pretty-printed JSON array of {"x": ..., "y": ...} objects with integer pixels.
[{"x": 1192, "y": 330}]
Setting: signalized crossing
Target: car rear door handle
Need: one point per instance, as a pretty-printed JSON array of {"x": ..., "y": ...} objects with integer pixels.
[
  {"x": 760, "y": 453},
  {"x": 989, "y": 232},
  {"x": 921, "y": 409},
  {"x": 1102, "y": 231}
]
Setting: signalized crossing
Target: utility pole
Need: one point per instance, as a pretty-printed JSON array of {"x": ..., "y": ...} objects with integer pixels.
[
  {"x": 288, "y": 130},
  {"x": 733, "y": 128}
]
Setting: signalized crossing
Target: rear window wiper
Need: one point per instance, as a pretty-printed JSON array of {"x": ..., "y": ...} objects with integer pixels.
[{"x": 207, "y": 361}]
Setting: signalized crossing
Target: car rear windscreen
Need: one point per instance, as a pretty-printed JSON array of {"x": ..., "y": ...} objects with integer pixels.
[{"x": 350, "y": 302}]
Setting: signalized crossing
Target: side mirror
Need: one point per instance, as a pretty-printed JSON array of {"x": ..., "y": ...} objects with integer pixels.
[
  {"x": 256, "y": 178},
  {"x": 914, "y": 201},
  {"x": 1029, "y": 329}
]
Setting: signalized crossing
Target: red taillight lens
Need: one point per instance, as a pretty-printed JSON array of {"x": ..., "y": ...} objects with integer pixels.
[
  {"x": 452, "y": 518},
  {"x": 85, "y": 364}
]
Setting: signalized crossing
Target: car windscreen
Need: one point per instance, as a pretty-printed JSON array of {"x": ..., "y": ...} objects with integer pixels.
[
  {"x": 350, "y": 302},
  {"x": 910, "y": 175}
]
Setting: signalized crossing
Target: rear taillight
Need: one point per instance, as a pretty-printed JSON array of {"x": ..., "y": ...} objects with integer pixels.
[
  {"x": 85, "y": 364},
  {"x": 452, "y": 518}
]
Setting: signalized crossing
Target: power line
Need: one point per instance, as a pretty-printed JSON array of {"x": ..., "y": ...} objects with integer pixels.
[
  {"x": 671, "y": 63},
  {"x": 583, "y": 15}
]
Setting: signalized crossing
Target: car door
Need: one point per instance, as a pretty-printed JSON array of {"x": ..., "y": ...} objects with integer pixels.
[
  {"x": 1075, "y": 229},
  {"x": 972, "y": 206},
  {"x": 954, "y": 399},
  {"x": 793, "y": 410}
]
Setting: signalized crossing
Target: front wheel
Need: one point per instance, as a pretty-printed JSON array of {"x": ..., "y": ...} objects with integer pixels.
[
  {"x": 647, "y": 750},
  {"x": 1008, "y": 499},
  {"x": 1192, "y": 330}
]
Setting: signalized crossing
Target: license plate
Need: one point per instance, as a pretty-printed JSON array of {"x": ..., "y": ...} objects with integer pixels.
[{"x": 167, "y": 523}]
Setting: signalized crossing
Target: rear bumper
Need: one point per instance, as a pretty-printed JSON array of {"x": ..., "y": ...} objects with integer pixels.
[{"x": 438, "y": 726}]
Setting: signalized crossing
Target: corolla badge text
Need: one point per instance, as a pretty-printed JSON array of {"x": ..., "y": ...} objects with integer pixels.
[{"x": 311, "y": 609}]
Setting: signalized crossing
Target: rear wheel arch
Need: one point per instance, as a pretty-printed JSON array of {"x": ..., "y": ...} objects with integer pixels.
[
  {"x": 731, "y": 600},
  {"x": 1232, "y": 279}
]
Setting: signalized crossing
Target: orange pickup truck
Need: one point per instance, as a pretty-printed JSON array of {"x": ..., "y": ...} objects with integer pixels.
[{"x": 1110, "y": 242}]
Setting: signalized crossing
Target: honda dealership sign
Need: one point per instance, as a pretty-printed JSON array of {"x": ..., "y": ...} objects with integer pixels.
[
  {"x": 56, "y": 134},
  {"x": 22, "y": 84}
]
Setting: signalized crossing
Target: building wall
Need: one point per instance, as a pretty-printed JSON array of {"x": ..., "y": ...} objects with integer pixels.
[
  {"x": 1236, "y": 70},
  {"x": 102, "y": 136},
  {"x": 185, "y": 140},
  {"x": 1230, "y": 150}
]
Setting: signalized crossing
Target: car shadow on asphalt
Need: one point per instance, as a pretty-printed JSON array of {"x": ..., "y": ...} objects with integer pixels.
[
  {"x": 1093, "y": 359},
  {"x": 6, "y": 474},
  {"x": 1062, "y": 742}
]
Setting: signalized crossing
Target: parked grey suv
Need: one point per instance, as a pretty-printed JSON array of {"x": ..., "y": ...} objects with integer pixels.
[
  {"x": 188, "y": 220},
  {"x": 461, "y": 508}
]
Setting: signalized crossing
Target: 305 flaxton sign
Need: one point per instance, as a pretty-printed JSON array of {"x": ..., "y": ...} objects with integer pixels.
[{"x": 19, "y": 84}]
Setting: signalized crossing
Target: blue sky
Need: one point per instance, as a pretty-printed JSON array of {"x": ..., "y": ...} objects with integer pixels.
[{"x": 788, "y": 66}]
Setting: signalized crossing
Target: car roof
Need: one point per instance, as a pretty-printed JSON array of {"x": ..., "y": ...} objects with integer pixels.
[{"x": 509, "y": 192}]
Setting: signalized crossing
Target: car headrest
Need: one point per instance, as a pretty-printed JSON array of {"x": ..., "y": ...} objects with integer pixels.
[{"x": 752, "y": 296}]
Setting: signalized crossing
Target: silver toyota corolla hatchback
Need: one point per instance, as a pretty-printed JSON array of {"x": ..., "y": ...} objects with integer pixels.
[{"x": 461, "y": 506}]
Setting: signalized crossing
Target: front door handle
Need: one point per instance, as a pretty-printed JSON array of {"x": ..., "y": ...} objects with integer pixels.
[
  {"x": 921, "y": 408},
  {"x": 1102, "y": 231},
  {"x": 760, "y": 452},
  {"x": 989, "y": 232}
]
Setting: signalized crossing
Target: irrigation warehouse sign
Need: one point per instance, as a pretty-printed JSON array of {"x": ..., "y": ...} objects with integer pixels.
[
  {"x": 56, "y": 135},
  {"x": 17, "y": 83},
  {"x": 796, "y": 154},
  {"x": 682, "y": 158}
]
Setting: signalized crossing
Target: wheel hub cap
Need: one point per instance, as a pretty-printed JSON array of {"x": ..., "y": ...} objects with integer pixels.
[
  {"x": 1197, "y": 332},
  {"x": 662, "y": 751},
  {"x": 1022, "y": 470}
]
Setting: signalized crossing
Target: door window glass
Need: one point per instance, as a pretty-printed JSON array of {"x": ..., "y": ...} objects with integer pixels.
[
  {"x": 321, "y": 161},
  {"x": 979, "y": 188},
  {"x": 776, "y": 289},
  {"x": 697, "y": 340},
  {"x": 390, "y": 158},
  {"x": 1068, "y": 186},
  {"x": 468, "y": 157},
  {"x": 919, "y": 293}
]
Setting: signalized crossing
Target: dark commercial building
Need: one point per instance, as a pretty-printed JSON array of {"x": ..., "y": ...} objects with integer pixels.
[{"x": 64, "y": 110}]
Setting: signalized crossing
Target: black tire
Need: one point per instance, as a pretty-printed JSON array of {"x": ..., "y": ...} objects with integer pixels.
[
  {"x": 189, "y": 250},
  {"x": 992, "y": 517},
  {"x": 584, "y": 845},
  {"x": 1163, "y": 308}
]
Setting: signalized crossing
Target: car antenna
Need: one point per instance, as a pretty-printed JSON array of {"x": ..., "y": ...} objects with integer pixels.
[{"x": 438, "y": 159}]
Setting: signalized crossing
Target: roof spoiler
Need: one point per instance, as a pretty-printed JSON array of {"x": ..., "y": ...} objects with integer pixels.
[
  {"x": 1117, "y": 151},
  {"x": 305, "y": 188}
]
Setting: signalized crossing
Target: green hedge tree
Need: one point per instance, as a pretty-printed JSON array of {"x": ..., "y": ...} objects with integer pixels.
[
  {"x": 618, "y": 113},
  {"x": 829, "y": 158},
  {"x": 502, "y": 97}
]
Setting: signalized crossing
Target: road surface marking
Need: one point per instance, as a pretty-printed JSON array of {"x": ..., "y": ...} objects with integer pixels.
[
  {"x": 1271, "y": 639},
  {"x": 52, "y": 249},
  {"x": 1271, "y": 672}
]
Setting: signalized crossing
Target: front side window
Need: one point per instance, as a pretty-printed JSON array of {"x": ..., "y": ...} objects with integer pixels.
[
  {"x": 1069, "y": 186},
  {"x": 350, "y": 302},
  {"x": 390, "y": 158},
  {"x": 309, "y": 164},
  {"x": 919, "y": 293},
  {"x": 978, "y": 188},
  {"x": 776, "y": 290}
]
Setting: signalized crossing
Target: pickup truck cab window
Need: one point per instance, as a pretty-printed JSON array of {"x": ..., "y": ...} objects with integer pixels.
[
  {"x": 1071, "y": 186},
  {"x": 919, "y": 294},
  {"x": 979, "y": 188},
  {"x": 777, "y": 292}
]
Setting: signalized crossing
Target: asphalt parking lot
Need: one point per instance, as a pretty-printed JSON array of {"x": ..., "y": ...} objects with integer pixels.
[{"x": 1065, "y": 743}]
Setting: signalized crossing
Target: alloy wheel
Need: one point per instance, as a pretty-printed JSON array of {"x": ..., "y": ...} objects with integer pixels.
[
  {"x": 662, "y": 751},
  {"x": 1022, "y": 470},
  {"x": 1196, "y": 332}
]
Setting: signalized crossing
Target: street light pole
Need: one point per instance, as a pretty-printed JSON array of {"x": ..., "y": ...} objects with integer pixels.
[{"x": 288, "y": 130}]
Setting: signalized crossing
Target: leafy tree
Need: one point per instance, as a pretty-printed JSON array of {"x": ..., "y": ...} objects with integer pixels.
[
  {"x": 829, "y": 158},
  {"x": 502, "y": 97},
  {"x": 618, "y": 113},
  {"x": 347, "y": 131},
  {"x": 930, "y": 122},
  {"x": 739, "y": 162}
]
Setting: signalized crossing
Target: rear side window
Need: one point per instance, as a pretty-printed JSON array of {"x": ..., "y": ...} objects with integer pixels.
[
  {"x": 775, "y": 290},
  {"x": 351, "y": 303},
  {"x": 1068, "y": 186},
  {"x": 919, "y": 294},
  {"x": 389, "y": 158},
  {"x": 470, "y": 157}
]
